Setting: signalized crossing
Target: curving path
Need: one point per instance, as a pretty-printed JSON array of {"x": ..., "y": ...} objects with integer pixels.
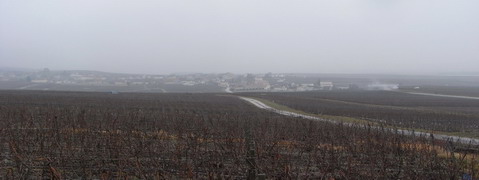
[
  {"x": 443, "y": 95},
  {"x": 261, "y": 105}
]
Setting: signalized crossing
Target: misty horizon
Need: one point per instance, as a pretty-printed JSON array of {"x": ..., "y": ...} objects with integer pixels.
[
  {"x": 472, "y": 73},
  {"x": 164, "y": 37}
]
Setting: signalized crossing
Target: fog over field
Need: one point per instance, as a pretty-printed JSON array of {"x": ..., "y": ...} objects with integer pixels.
[
  {"x": 210, "y": 36},
  {"x": 245, "y": 89}
]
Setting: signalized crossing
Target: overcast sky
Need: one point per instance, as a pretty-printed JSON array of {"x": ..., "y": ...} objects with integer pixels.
[{"x": 310, "y": 36}]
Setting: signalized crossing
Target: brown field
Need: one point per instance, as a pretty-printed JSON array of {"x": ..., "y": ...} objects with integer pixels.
[{"x": 68, "y": 135}]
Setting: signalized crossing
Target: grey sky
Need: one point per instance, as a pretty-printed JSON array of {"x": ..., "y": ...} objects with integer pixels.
[{"x": 317, "y": 36}]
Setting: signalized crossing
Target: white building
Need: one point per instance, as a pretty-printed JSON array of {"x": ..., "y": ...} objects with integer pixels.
[{"x": 326, "y": 85}]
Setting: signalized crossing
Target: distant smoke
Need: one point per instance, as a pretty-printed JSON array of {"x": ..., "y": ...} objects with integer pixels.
[{"x": 381, "y": 86}]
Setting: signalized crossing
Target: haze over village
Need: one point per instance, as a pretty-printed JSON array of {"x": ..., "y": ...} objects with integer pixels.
[
  {"x": 47, "y": 79},
  {"x": 228, "y": 82}
]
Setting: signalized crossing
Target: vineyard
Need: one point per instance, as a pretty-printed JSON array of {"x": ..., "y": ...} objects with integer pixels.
[
  {"x": 449, "y": 90},
  {"x": 449, "y": 115},
  {"x": 71, "y": 135}
]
